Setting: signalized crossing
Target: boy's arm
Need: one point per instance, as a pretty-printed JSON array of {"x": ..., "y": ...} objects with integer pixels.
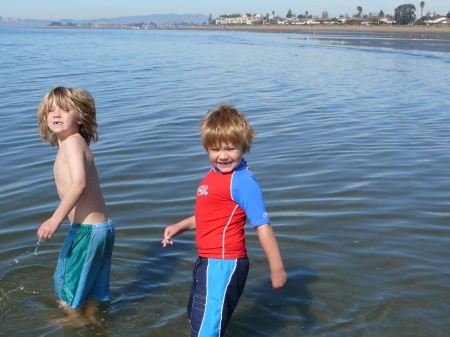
[
  {"x": 270, "y": 246},
  {"x": 74, "y": 155},
  {"x": 170, "y": 232}
]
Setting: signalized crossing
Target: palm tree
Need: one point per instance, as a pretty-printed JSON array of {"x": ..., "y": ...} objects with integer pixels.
[
  {"x": 422, "y": 5},
  {"x": 359, "y": 9},
  {"x": 306, "y": 14},
  {"x": 273, "y": 13}
]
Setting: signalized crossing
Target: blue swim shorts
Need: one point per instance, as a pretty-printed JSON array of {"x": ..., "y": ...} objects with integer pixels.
[
  {"x": 216, "y": 288},
  {"x": 84, "y": 264}
]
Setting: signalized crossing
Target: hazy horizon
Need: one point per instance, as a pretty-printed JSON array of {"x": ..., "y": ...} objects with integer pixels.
[
  {"x": 182, "y": 16},
  {"x": 88, "y": 10}
]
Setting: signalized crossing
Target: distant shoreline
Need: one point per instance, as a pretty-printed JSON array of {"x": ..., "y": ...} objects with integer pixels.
[
  {"x": 404, "y": 30},
  {"x": 329, "y": 28}
]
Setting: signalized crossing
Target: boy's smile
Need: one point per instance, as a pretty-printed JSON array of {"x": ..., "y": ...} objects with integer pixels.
[
  {"x": 226, "y": 157},
  {"x": 62, "y": 121}
]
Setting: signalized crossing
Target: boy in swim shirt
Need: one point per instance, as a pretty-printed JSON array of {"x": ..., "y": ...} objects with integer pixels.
[
  {"x": 227, "y": 196},
  {"x": 67, "y": 119}
]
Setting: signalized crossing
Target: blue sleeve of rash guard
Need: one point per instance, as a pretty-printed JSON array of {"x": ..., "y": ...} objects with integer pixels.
[{"x": 247, "y": 193}]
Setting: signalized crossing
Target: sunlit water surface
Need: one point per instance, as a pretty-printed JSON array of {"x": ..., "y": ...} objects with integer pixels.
[{"x": 352, "y": 153}]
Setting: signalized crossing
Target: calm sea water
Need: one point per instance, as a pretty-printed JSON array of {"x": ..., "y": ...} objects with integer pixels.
[{"x": 352, "y": 153}]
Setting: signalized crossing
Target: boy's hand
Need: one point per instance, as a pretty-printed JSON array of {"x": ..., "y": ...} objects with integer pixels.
[
  {"x": 169, "y": 233},
  {"x": 47, "y": 229},
  {"x": 278, "y": 278}
]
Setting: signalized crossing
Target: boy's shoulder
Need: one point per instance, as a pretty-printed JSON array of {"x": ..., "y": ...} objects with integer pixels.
[
  {"x": 244, "y": 179},
  {"x": 75, "y": 147},
  {"x": 73, "y": 142}
]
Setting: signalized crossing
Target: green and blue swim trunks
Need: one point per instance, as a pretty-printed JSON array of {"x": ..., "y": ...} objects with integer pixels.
[{"x": 84, "y": 264}]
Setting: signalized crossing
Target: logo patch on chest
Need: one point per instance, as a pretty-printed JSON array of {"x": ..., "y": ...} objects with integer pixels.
[{"x": 202, "y": 190}]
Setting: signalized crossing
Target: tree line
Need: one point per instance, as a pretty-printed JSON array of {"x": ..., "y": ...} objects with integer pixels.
[{"x": 403, "y": 14}]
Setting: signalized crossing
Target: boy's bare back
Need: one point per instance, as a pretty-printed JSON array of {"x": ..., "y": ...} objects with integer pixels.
[{"x": 74, "y": 164}]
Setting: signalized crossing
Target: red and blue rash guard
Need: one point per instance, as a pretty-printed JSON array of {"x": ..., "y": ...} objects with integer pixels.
[{"x": 224, "y": 201}]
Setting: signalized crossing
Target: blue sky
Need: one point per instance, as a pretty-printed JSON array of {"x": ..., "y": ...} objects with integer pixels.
[{"x": 88, "y": 9}]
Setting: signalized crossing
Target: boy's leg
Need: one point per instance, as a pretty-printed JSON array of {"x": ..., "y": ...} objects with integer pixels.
[
  {"x": 234, "y": 291},
  {"x": 60, "y": 272},
  {"x": 89, "y": 309},
  {"x": 195, "y": 272},
  {"x": 100, "y": 290},
  {"x": 75, "y": 317},
  {"x": 217, "y": 287}
]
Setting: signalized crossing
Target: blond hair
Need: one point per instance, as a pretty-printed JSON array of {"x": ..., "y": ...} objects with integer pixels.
[
  {"x": 225, "y": 124},
  {"x": 83, "y": 103}
]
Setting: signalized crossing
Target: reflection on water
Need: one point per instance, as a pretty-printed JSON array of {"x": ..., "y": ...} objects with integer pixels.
[
  {"x": 430, "y": 42},
  {"x": 352, "y": 154}
]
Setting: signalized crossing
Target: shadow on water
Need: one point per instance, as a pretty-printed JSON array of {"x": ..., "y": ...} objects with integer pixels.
[
  {"x": 149, "y": 298},
  {"x": 151, "y": 274},
  {"x": 271, "y": 312}
]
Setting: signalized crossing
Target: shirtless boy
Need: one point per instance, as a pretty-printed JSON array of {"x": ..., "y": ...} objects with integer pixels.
[{"x": 67, "y": 119}]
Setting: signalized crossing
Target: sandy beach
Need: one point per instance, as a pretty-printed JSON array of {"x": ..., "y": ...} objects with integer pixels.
[{"x": 442, "y": 29}]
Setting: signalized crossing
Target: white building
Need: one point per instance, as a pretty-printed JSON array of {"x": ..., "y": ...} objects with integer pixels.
[
  {"x": 341, "y": 19},
  {"x": 436, "y": 19},
  {"x": 238, "y": 19},
  {"x": 387, "y": 20}
]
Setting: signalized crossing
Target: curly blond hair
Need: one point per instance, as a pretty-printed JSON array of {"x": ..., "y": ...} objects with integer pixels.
[
  {"x": 83, "y": 103},
  {"x": 225, "y": 124}
]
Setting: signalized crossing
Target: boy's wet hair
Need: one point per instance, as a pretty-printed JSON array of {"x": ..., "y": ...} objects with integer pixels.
[
  {"x": 225, "y": 124},
  {"x": 83, "y": 103}
]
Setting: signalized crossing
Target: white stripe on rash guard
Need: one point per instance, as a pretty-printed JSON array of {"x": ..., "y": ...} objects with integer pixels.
[{"x": 225, "y": 231}]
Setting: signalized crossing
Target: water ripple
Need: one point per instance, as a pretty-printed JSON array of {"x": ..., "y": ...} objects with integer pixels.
[{"x": 352, "y": 154}]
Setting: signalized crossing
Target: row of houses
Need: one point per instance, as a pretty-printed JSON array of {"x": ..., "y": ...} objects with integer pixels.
[
  {"x": 258, "y": 19},
  {"x": 237, "y": 19}
]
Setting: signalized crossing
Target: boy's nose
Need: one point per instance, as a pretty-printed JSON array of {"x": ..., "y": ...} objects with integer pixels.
[{"x": 223, "y": 155}]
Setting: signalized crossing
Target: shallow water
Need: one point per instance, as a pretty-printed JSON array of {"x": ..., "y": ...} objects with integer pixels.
[{"x": 352, "y": 154}]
